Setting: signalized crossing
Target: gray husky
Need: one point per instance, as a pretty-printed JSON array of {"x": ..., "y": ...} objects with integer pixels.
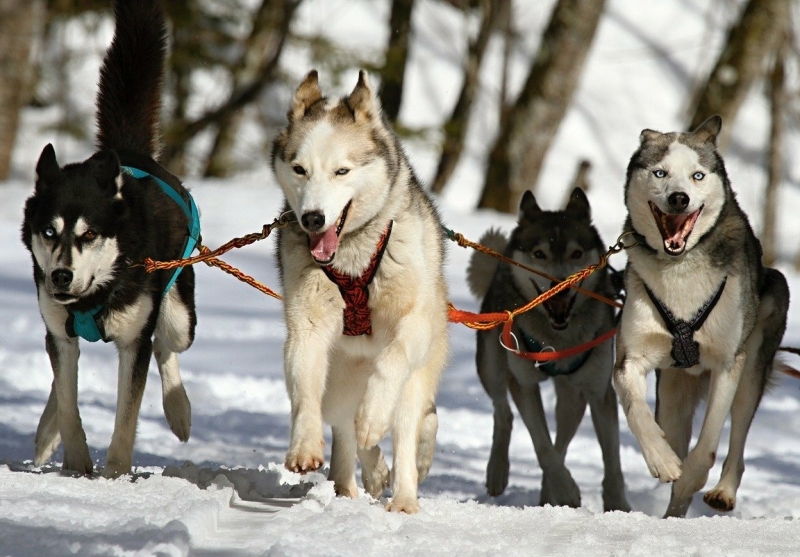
[
  {"x": 701, "y": 309},
  {"x": 365, "y": 296},
  {"x": 559, "y": 243}
]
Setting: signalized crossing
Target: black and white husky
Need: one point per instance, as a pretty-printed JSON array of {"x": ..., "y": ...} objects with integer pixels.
[
  {"x": 87, "y": 226},
  {"x": 701, "y": 309}
]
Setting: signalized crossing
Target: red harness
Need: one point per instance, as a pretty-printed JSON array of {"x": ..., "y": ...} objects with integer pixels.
[{"x": 355, "y": 292}]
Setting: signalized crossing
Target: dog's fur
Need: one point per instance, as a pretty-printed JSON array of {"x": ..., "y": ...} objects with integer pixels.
[
  {"x": 674, "y": 181},
  {"x": 87, "y": 224},
  {"x": 345, "y": 177},
  {"x": 559, "y": 243}
]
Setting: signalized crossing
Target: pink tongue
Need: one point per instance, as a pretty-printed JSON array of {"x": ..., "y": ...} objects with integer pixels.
[
  {"x": 674, "y": 228},
  {"x": 324, "y": 245}
]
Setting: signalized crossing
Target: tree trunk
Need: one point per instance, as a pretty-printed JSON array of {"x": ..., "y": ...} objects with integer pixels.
[
  {"x": 21, "y": 23},
  {"x": 777, "y": 104},
  {"x": 519, "y": 150},
  {"x": 262, "y": 49},
  {"x": 755, "y": 36},
  {"x": 394, "y": 67},
  {"x": 455, "y": 129}
]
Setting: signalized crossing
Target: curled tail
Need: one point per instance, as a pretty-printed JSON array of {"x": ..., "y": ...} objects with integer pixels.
[
  {"x": 131, "y": 79},
  {"x": 481, "y": 266}
]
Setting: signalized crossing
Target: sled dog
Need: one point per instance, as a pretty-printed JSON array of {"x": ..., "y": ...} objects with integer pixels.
[
  {"x": 701, "y": 310},
  {"x": 87, "y": 224},
  {"x": 365, "y": 297},
  {"x": 559, "y": 243}
]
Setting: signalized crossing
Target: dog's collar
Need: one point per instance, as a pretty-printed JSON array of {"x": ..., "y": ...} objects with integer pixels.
[
  {"x": 641, "y": 241},
  {"x": 89, "y": 324},
  {"x": 355, "y": 291},
  {"x": 685, "y": 350}
]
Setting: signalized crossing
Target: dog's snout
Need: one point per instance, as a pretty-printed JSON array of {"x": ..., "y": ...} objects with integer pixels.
[
  {"x": 313, "y": 220},
  {"x": 678, "y": 200},
  {"x": 62, "y": 278}
]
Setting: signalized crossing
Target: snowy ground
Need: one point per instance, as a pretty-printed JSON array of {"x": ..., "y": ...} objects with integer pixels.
[{"x": 225, "y": 493}]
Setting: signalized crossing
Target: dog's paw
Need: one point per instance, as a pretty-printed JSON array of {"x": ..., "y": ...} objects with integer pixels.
[
  {"x": 372, "y": 423},
  {"x": 305, "y": 457},
  {"x": 559, "y": 489},
  {"x": 114, "y": 470},
  {"x": 720, "y": 499},
  {"x": 694, "y": 474},
  {"x": 662, "y": 461},
  {"x": 45, "y": 447},
  {"x": 178, "y": 411},
  {"x": 497, "y": 474},
  {"x": 376, "y": 479},
  {"x": 77, "y": 459},
  {"x": 403, "y": 504},
  {"x": 349, "y": 490}
]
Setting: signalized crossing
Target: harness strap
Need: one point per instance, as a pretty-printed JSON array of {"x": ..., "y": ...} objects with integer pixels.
[
  {"x": 685, "y": 350},
  {"x": 89, "y": 324},
  {"x": 545, "y": 359},
  {"x": 355, "y": 292}
]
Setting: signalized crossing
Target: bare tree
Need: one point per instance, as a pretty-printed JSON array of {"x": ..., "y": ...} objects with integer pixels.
[
  {"x": 394, "y": 67},
  {"x": 20, "y": 25},
  {"x": 522, "y": 143},
  {"x": 455, "y": 129},
  {"x": 754, "y": 37}
]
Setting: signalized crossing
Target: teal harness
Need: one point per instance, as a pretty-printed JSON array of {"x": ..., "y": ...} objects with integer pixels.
[
  {"x": 88, "y": 324},
  {"x": 552, "y": 368}
]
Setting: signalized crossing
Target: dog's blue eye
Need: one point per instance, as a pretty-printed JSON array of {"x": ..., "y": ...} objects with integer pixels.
[
  {"x": 698, "y": 176},
  {"x": 659, "y": 173},
  {"x": 50, "y": 232},
  {"x": 539, "y": 254},
  {"x": 299, "y": 170},
  {"x": 342, "y": 171}
]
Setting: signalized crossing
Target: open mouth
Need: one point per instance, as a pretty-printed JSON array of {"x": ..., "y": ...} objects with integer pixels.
[
  {"x": 323, "y": 246},
  {"x": 558, "y": 307},
  {"x": 674, "y": 228}
]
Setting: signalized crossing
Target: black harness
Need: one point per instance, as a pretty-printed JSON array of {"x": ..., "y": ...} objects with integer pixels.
[{"x": 685, "y": 350}]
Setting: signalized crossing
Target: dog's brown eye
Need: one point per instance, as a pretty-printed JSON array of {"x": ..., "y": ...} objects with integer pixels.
[
  {"x": 577, "y": 254},
  {"x": 299, "y": 170},
  {"x": 89, "y": 235},
  {"x": 539, "y": 254}
]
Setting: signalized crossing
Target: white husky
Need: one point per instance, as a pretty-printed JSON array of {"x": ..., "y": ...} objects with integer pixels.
[{"x": 365, "y": 296}]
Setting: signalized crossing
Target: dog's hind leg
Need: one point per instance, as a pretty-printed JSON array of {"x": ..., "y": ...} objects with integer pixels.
[
  {"x": 428, "y": 427},
  {"x": 558, "y": 487},
  {"x": 605, "y": 419},
  {"x": 374, "y": 472},
  {"x": 134, "y": 359},
  {"x": 677, "y": 396},
  {"x": 47, "y": 436},
  {"x": 64, "y": 353},
  {"x": 493, "y": 373},
  {"x": 760, "y": 348},
  {"x": 177, "y": 408},
  {"x": 343, "y": 461}
]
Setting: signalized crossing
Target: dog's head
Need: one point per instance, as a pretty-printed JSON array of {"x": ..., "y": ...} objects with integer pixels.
[
  {"x": 71, "y": 224},
  {"x": 558, "y": 243},
  {"x": 334, "y": 161},
  {"x": 676, "y": 187}
]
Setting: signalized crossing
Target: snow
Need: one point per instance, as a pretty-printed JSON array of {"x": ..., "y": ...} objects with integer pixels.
[{"x": 226, "y": 493}]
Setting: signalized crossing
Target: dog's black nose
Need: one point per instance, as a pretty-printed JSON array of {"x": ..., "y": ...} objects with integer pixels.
[
  {"x": 678, "y": 200},
  {"x": 313, "y": 221},
  {"x": 61, "y": 278}
]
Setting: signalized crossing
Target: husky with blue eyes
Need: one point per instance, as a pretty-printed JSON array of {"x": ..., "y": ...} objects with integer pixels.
[
  {"x": 89, "y": 226},
  {"x": 701, "y": 310}
]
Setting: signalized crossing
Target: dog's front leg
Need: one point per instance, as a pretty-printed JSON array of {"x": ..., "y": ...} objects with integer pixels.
[
  {"x": 306, "y": 370},
  {"x": 64, "y": 353},
  {"x": 134, "y": 359},
  {"x": 701, "y": 458},
  {"x": 630, "y": 375}
]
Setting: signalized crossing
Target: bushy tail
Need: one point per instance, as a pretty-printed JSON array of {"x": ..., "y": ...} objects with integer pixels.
[
  {"x": 481, "y": 266},
  {"x": 131, "y": 79}
]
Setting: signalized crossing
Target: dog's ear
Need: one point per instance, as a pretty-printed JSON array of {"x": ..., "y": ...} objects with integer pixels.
[
  {"x": 708, "y": 131},
  {"x": 648, "y": 135},
  {"x": 528, "y": 208},
  {"x": 578, "y": 205},
  {"x": 306, "y": 94},
  {"x": 105, "y": 166},
  {"x": 362, "y": 101},
  {"x": 47, "y": 170}
]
